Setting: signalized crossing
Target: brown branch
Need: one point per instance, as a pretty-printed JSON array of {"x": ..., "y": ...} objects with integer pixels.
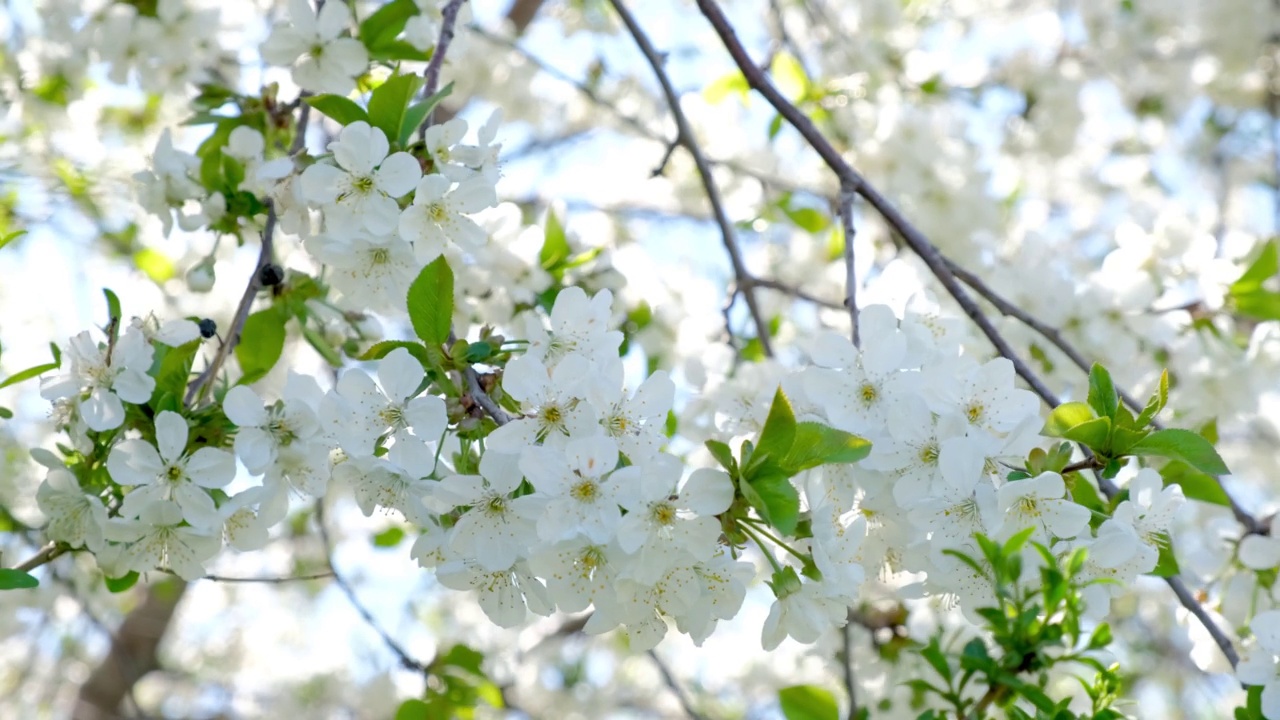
[
  {"x": 846, "y": 666},
  {"x": 686, "y": 703},
  {"x": 521, "y": 14},
  {"x": 793, "y": 291},
  {"x": 270, "y": 580},
  {"x": 406, "y": 660},
  {"x": 1008, "y": 309},
  {"x": 685, "y": 137},
  {"x": 132, "y": 654},
  {"x": 847, "y": 197},
  {"x": 850, "y": 179},
  {"x": 201, "y": 384},
  {"x": 45, "y": 555},
  {"x": 448, "y": 18}
]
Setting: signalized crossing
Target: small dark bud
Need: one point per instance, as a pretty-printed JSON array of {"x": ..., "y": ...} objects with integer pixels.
[
  {"x": 208, "y": 328},
  {"x": 271, "y": 275}
]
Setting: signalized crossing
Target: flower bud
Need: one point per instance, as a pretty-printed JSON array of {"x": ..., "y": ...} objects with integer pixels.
[{"x": 201, "y": 277}]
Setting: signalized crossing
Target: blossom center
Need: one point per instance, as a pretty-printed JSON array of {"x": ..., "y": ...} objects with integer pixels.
[
  {"x": 585, "y": 490},
  {"x": 663, "y": 513}
]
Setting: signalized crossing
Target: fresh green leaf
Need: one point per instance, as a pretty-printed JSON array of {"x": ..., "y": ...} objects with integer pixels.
[
  {"x": 775, "y": 498},
  {"x": 413, "y": 709},
  {"x": 1265, "y": 267},
  {"x": 723, "y": 455},
  {"x": 384, "y": 25},
  {"x": 814, "y": 221},
  {"x": 555, "y": 246},
  {"x": 1066, "y": 416},
  {"x": 1102, "y": 392},
  {"x": 172, "y": 368},
  {"x": 6, "y": 413},
  {"x": 1093, "y": 433},
  {"x": 380, "y": 350},
  {"x": 1166, "y": 562},
  {"x": 390, "y": 537},
  {"x": 418, "y": 112},
  {"x": 10, "y": 237},
  {"x": 11, "y": 579},
  {"x": 734, "y": 83},
  {"x": 322, "y": 346},
  {"x": 113, "y": 305},
  {"x": 398, "y": 50},
  {"x": 430, "y": 303},
  {"x": 1195, "y": 484},
  {"x": 260, "y": 346},
  {"x": 807, "y": 702},
  {"x": 789, "y": 76},
  {"x": 389, "y": 103},
  {"x": 818, "y": 444},
  {"x": 340, "y": 109},
  {"x": 27, "y": 374},
  {"x": 120, "y": 584},
  {"x": 779, "y": 428},
  {"x": 1101, "y": 637},
  {"x": 1184, "y": 445},
  {"x": 1156, "y": 403}
]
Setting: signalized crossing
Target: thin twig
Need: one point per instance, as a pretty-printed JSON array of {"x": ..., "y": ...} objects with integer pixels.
[
  {"x": 448, "y": 18},
  {"x": 270, "y": 580},
  {"x": 847, "y": 197},
  {"x": 938, "y": 266},
  {"x": 406, "y": 660},
  {"x": 846, "y": 664},
  {"x": 794, "y": 291},
  {"x": 685, "y": 702},
  {"x": 201, "y": 384},
  {"x": 45, "y": 555},
  {"x": 686, "y": 138},
  {"x": 1008, "y": 309}
]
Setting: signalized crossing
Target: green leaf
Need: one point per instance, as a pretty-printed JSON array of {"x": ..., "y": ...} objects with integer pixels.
[
  {"x": 1195, "y": 484},
  {"x": 413, "y": 709},
  {"x": 1102, "y": 392},
  {"x": 789, "y": 76},
  {"x": 555, "y": 246},
  {"x": 120, "y": 584},
  {"x": 380, "y": 350},
  {"x": 6, "y": 413},
  {"x": 779, "y": 428},
  {"x": 418, "y": 112},
  {"x": 430, "y": 303},
  {"x": 397, "y": 50},
  {"x": 1156, "y": 403},
  {"x": 1167, "y": 561},
  {"x": 11, "y": 579},
  {"x": 807, "y": 702},
  {"x": 322, "y": 346},
  {"x": 28, "y": 374},
  {"x": 1265, "y": 267},
  {"x": 809, "y": 219},
  {"x": 389, "y": 103},
  {"x": 775, "y": 498},
  {"x": 384, "y": 25},
  {"x": 260, "y": 346},
  {"x": 6, "y": 239},
  {"x": 1101, "y": 637},
  {"x": 340, "y": 109},
  {"x": 723, "y": 454},
  {"x": 1123, "y": 439},
  {"x": 390, "y": 537},
  {"x": 1093, "y": 433},
  {"x": 172, "y": 368},
  {"x": 1066, "y": 416},
  {"x": 817, "y": 444},
  {"x": 1184, "y": 445},
  {"x": 113, "y": 304},
  {"x": 734, "y": 83},
  {"x": 479, "y": 351}
]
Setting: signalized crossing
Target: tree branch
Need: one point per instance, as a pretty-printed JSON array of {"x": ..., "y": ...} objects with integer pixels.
[
  {"x": 406, "y": 660},
  {"x": 846, "y": 665},
  {"x": 847, "y": 196},
  {"x": 200, "y": 386},
  {"x": 448, "y": 18},
  {"x": 686, "y": 138},
  {"x": 850, "y": 179},
  {"x": 685, "y": 702}
]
